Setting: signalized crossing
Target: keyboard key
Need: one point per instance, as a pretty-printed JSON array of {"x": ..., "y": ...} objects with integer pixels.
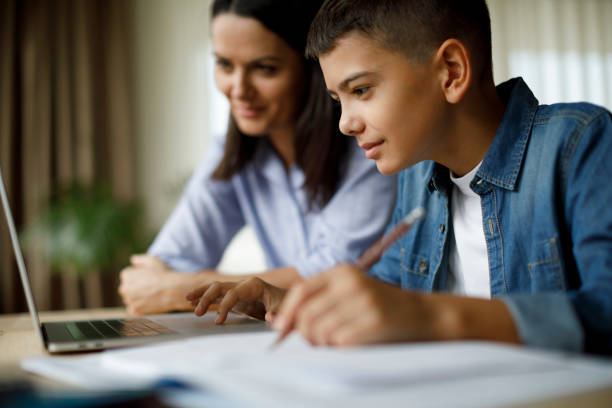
[
  {"x": 88, "y": 331},
  {"x": 137, "y": 327},
  {"x": 157, "y": 326},
  {"x": 107, "y": 331}
]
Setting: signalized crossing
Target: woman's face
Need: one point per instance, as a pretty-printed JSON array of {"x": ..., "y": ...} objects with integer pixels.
[{"x": 261, "y": 76}]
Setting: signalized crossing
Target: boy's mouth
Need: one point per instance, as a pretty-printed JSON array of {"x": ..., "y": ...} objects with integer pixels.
[{"x": 372, "y": 149}]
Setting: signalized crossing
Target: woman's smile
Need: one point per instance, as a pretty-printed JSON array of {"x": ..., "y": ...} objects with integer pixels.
[{"x": 247, "y": 112}]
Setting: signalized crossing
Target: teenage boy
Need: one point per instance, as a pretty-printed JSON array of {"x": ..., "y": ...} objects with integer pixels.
[{"x": 516, "y": 245}]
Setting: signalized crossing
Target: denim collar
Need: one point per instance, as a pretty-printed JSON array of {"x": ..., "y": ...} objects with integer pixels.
[{"x": 503, "y": 160}]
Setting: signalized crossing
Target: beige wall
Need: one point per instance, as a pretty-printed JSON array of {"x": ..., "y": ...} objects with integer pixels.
[
  {"x": 177, "y": 107},
  {"x": 177, "y": 110},
  {"x": 171, "y": 81},
  {"x": 562, "y": 48}
]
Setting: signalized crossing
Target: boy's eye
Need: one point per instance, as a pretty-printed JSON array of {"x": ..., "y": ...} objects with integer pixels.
[{"x": 361, "y": 90}]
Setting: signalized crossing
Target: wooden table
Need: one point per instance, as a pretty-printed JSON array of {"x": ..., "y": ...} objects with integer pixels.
[{"x": 18, "y": 341}]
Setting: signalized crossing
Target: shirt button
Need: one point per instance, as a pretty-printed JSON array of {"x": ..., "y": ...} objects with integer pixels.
[{"x": 441, "y": 228}]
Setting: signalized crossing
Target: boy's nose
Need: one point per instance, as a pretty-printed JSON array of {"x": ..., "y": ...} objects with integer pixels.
[{"x": 350, "y": 125}]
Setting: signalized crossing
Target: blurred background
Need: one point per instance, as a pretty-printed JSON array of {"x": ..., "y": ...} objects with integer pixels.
[{"x": 107, "y": 106}]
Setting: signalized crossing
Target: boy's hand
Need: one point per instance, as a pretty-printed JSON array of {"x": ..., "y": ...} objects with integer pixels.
[
  {"x": 253, "y": 297},
  {"x": 343, "y": 306}
]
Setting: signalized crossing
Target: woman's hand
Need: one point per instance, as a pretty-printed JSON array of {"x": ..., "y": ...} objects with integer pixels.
[
  {"x": 149, "y": 286},
  {"x": 253, "y": 297}
]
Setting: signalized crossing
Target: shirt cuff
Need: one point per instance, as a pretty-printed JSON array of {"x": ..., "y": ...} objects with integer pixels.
[
  {"x": 315, "y": 264},
  {"x": 546, "y": 321},
  {"x": 180, "y": 264}
]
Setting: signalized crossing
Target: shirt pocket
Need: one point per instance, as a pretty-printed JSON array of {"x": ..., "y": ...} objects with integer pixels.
[
  {"x": 545, "y": 267},
  {"x": 415, "y": 269}
]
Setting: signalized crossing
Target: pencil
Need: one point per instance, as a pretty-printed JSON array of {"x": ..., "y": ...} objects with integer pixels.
[{"x": 376, "y": 251}]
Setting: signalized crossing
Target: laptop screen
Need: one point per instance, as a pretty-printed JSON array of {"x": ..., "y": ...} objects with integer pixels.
[{"x": 19, "y": 257}]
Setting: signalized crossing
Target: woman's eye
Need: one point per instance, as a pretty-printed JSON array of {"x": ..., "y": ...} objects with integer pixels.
[
  {"x": 266, "y": 69},
  {"x": 223, "y": 64}
]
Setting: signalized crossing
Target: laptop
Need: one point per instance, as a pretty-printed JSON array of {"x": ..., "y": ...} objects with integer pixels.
[{"x": 98, "y": 334}]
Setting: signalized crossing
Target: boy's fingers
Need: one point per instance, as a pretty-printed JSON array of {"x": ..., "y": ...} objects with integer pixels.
[
  {"x": 318, "y": 309},
  {"x": 342, "y": 315},
  {"x": 250, "y": 289},
  {"x": 351, "y": 331},
  {"x": 247, "y": 291},
  {"x": 296, "y": 296},
  {"x": 214, "y": 291},
  {"x": 195, "y": 294},
  {"x": 229, "y": 300}
]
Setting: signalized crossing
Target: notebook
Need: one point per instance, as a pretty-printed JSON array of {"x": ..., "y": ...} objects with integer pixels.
[{"x": 69, "y": 336}]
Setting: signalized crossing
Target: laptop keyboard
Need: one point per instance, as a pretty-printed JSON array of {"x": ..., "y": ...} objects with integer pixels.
[{"x": 115, "y": 328}]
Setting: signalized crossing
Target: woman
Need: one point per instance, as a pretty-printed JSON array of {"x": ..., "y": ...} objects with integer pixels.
[{"x": 283, "y": 168}]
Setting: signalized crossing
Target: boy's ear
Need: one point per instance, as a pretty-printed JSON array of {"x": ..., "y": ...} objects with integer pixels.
[{"x": 455, "y": 69}]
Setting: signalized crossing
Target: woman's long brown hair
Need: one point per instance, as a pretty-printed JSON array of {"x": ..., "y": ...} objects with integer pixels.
[{"x": 320, "y": 148}]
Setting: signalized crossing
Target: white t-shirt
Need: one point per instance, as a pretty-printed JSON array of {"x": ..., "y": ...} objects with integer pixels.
[{"x": 469, "y": 262}]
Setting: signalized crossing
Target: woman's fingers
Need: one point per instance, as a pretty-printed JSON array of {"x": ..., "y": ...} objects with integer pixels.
[{"x": 144, "y": 260}]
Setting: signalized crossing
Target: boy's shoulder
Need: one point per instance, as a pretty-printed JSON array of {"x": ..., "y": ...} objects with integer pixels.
[
  {"x": 577, "y": 113},
  {"x": 564, "y": 127}
]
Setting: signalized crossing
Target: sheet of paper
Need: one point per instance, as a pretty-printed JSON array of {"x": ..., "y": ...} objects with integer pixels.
[{"x": 245, "y": 367}]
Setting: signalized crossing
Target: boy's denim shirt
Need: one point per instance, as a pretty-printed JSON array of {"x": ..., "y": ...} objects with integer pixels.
[{"x": 546, "y": 192}]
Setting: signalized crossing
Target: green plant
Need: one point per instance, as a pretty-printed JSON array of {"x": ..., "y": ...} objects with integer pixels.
[{"x": 84, "y": 229}]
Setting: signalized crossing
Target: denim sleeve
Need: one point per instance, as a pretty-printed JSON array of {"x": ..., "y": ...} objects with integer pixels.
[
  {"x": 538, "y": 327},
  {"x": 588, "y": 195},
  {"x": 580, "y": 319},
  {"x": 204, "y": 221},
  {"x": 353, "y": 219}
]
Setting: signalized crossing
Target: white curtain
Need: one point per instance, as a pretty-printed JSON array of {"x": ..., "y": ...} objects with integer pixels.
[{"x": 562, "y": 48}]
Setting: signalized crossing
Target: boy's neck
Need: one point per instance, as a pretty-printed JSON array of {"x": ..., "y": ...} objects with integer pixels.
[{"x": 473, "y": 127}]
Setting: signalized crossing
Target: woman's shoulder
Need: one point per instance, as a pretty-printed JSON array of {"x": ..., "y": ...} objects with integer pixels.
[
  {"x": 359, "y": 170},
  {"x": 355, "y": 156}
]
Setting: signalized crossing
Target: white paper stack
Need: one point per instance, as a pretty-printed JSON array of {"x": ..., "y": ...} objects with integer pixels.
[{"x": 245, "y": 368}]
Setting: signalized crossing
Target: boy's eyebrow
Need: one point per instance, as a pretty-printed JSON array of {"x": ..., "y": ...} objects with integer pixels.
[{"x": 344, "y": 85}]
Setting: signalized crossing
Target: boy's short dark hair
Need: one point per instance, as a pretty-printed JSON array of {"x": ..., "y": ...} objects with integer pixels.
[{"x": 415, "y": 28}]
